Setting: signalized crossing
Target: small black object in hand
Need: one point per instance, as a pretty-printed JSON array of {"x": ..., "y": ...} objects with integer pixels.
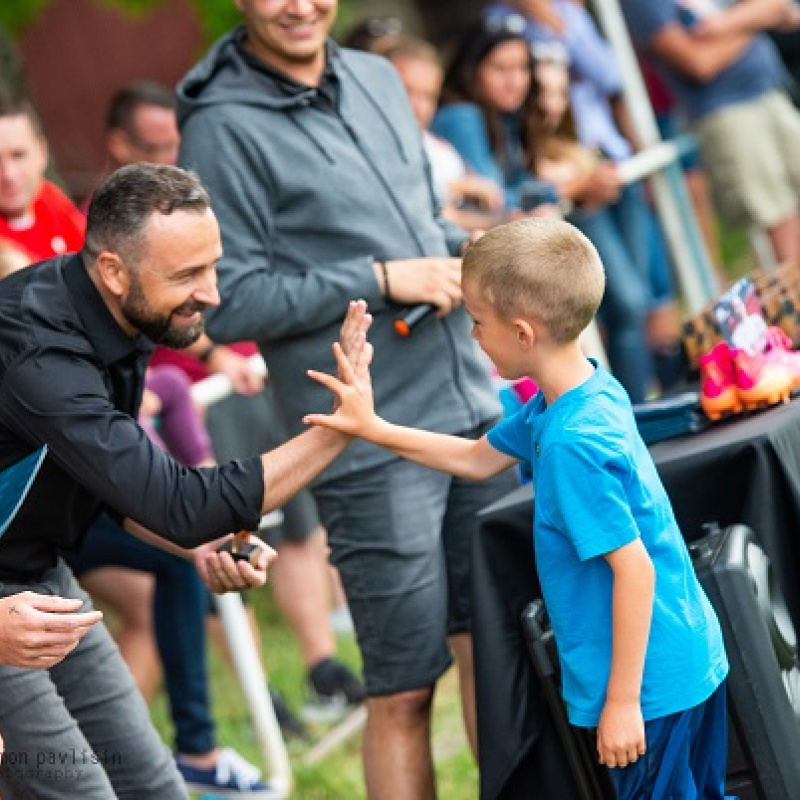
[{"x": 241, "y": 551}]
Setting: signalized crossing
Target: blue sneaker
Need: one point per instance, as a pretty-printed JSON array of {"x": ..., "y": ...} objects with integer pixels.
[{"x": 231, "y": 777}]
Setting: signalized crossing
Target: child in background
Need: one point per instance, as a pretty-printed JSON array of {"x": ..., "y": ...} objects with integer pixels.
[{"x": 641, "y": 649}]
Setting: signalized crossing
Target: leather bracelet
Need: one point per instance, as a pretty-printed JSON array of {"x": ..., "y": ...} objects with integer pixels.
[{"x": 387, "y": 294}]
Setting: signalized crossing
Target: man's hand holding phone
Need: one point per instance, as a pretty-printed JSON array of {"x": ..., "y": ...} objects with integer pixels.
[{"x": 237, "y": 563}]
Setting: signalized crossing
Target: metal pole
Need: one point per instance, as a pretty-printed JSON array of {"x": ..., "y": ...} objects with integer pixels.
[
  {"x": 696, "y": 277},
  {"x": 253, "y": 680}
]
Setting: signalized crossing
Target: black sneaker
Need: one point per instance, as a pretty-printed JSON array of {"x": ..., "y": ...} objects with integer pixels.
[
  {"x": 291, "y": 727},
  {"x": 333, "y": 692}
]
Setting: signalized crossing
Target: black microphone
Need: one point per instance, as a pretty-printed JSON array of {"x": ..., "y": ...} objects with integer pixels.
[{"x": 409, "y": 318}]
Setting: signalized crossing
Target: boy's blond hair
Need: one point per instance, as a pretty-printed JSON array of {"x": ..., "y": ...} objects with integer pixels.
[{"x": 545, "y": 269}]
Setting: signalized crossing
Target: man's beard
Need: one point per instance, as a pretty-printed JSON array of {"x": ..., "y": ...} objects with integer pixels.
[{"x": 158, "y": 327}]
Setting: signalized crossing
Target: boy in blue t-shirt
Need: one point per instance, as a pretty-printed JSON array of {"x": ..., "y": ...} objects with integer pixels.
[{"x": 640, "y": 646}]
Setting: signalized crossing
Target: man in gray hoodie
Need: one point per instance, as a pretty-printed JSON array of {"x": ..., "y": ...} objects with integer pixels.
[{"x": 315, "y": 166}]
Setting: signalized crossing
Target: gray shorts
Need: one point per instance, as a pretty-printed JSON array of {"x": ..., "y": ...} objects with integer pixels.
[
  {"x": 401, "y": 537},
  {"x": 242, "y": 426}
]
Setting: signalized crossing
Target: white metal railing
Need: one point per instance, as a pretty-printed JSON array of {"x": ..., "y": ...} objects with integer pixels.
[
  {"x": 654, "y": 158},
  {"x": 253, "y": 680},
  {"x": 218, "y": 386}
]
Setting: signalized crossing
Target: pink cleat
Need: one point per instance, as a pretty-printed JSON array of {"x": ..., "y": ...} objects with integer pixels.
[{"x": 718, "y": 391}]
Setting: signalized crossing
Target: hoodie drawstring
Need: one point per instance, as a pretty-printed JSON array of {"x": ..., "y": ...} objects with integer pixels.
[{"x": 292, "y": 114}]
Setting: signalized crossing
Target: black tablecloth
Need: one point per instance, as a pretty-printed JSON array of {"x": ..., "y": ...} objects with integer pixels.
[{"x": 744, "y": 470}]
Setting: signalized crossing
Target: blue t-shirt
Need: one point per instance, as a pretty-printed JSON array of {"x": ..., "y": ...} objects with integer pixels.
[
  {"x": 596, "y": 490},
  {"x": 755, "y": 73}
]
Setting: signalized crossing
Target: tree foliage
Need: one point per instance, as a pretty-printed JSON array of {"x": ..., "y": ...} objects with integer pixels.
[
  {"x": 215, "y": 16},
  {"x": 16, "y": 15}
]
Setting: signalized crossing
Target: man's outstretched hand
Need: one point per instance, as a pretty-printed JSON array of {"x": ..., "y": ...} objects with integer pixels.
[{"x": 353, "y": 341}]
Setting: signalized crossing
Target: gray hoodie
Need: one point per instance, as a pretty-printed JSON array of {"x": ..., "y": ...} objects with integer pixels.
[{"x": 308, "y": 195}]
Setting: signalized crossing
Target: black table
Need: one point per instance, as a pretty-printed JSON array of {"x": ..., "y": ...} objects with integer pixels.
[{"x": 743, "y": 470}]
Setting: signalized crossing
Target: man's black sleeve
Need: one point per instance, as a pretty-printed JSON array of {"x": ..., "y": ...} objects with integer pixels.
[{"x": 108, "y": 453}]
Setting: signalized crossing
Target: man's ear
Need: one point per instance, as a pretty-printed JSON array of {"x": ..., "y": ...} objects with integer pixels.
[
  {"x": 117, "y": 146},
  {"x": 45, "y": 152},
  {"x": 113, "y": 273}
]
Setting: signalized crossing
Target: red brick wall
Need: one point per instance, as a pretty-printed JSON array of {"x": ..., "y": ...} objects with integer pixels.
[{"x": 79, "y": 53}]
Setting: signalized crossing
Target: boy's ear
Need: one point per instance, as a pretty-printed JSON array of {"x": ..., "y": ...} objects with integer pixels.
[{"x": 526, "y": 333}]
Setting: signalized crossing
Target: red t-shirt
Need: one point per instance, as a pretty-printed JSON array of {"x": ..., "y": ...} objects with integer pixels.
[
  {"x": 58, "y": 227},
  {"x": 190, "y": 365}
]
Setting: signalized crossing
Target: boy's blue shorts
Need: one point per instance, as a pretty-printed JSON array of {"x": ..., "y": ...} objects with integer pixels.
[{"x": 686, "y": 758}]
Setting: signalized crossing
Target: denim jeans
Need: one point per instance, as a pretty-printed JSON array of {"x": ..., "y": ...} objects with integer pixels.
[
  {"x": 622, "y": 234},
  {"x": 81, "y": 728},
  {"x": 179, "y": 608}
]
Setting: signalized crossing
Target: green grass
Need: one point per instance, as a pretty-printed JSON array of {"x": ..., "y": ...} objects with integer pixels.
[
  {"x": 339, "y": 777},
  {"x": 735, "y": 251}
]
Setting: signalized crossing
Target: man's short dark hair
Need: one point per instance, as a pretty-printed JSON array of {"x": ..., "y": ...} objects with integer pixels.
[
  {"x": 123, "y": 204},
  {"x": 128, "y": 100},
  {"x": 15, "y": 104}
]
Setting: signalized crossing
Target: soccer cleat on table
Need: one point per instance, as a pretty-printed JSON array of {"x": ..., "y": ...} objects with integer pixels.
[
  {"x": 718, "y": 390},
  {"x": 760, "y": 381}
]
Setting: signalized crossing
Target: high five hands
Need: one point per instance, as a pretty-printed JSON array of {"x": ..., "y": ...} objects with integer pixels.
[
  {"x": 353, "y": 344},
  {"x": 354, "y": 410}
]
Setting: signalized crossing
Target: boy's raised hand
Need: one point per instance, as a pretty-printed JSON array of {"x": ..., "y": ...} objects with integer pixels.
[{"x": 354, "y": 412}]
